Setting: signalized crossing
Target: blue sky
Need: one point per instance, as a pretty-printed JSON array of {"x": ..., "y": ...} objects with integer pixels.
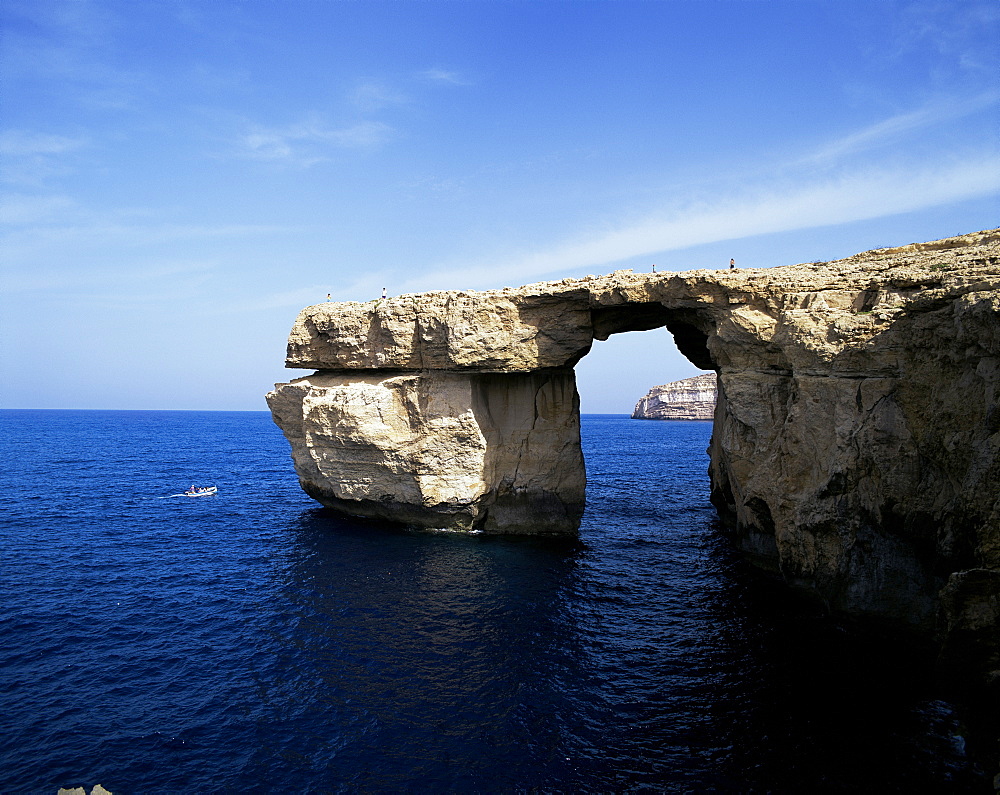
[{"x": 179, "y": 177}]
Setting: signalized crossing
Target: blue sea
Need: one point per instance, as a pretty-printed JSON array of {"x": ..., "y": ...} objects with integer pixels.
[{"x": 252, "y": 641}]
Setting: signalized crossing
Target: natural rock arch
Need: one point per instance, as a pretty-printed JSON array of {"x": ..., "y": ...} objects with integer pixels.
[{"x": 856, "y": 443}]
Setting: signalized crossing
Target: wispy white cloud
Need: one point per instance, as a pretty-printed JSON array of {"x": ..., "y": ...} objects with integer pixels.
[
  {"x": 141, "y": 234},
  {"x": 81, "y": 21},
  {"x": 310, "y": 142},
  {"x": 860, "y": 196},
  {"x": 962, "y": 34},
  {"x": 286, "y": 299},
  {"x": 19, "y": 210},
  {"x": 69, "y": 243},
  {"x": 67, "y": 45},
  {"x": 448, "y": 76},
  {"x": 30, "y": 158},
  {"x": 144, "y": 274},
  {"x": 791, "y": 197},
  {"x": 892, "y": 129},
  {"x": 313, "y": 139},
  {"x": 14, "y": 143},
  {"x": 372, "y": 95}
]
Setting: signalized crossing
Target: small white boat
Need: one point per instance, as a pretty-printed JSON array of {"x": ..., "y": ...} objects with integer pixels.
[{"x": 205, "y": 492}]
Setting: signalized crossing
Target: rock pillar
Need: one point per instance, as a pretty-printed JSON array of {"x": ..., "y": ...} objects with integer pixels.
[{"x": 495, "y": 452}]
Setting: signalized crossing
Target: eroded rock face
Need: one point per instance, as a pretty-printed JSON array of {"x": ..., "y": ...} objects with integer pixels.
[
  {"x": 856, "y": 446},
  {"x": 499, "y": 331},
  {"x": 495, "y": 452},
  {"x": 687, "y": 399}
]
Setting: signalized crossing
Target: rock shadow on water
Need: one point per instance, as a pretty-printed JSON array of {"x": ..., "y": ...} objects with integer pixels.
[
  {"x": 394, "y": 650},
  {"x": 404, "y": 657},
  {"x": 820, "y": 703}
]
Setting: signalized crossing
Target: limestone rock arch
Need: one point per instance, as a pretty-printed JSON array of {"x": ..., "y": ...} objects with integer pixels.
[{"x": 856, "y": 441}]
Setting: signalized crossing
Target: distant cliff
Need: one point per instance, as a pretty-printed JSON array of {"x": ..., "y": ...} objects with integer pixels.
[{"x": 689, "y": 399}]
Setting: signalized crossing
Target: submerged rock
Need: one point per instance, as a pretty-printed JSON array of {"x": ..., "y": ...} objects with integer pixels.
[
  {"x": 856, "y": 445},
  {"x": 688, "y": 399}
]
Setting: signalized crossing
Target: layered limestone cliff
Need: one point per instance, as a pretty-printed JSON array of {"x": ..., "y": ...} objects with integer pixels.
[
  {"x": 856, "y": 444},
  {"x": 688, "y": 399}
]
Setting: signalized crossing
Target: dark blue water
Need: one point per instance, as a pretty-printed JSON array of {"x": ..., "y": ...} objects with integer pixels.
[{"x": 253, "y": 642}]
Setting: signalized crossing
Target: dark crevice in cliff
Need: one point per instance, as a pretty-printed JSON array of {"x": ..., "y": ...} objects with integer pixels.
[{"x": 628, "y": 317}]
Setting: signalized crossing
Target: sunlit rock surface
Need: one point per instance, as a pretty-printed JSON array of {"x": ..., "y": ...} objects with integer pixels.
[
  {"x": 487, "y": 451},
  {"x": 856, "y": 447},
  {"x": 688, "y": 399}
]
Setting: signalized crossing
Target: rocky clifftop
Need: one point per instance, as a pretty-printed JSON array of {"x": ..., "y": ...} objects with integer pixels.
[
  {"x": 856, "y": 445},
  {"x": 688, "y": 399}
]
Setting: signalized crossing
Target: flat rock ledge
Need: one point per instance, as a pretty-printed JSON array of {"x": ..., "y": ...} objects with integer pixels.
[{"x": 856, "y": 441}]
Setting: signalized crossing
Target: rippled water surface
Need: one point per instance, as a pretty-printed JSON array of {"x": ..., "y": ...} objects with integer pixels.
[{"x": 253, "y": 642}]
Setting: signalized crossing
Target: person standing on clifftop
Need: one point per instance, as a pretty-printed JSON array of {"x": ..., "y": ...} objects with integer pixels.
[
  {"x": 732, "y": 264},
  {"x": 327, "y": 296},
  {"x": 383, "y": 293}
]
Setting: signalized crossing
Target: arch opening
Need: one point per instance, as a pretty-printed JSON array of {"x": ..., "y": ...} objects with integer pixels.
[
  {"x": 617, "y": 372},
  {"x": 690, "y": 328}
]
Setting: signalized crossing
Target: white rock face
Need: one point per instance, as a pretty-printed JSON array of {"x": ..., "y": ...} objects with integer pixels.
[
  {"x": 688, "y": 399},
  {"x": 446, "y": 450}
]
